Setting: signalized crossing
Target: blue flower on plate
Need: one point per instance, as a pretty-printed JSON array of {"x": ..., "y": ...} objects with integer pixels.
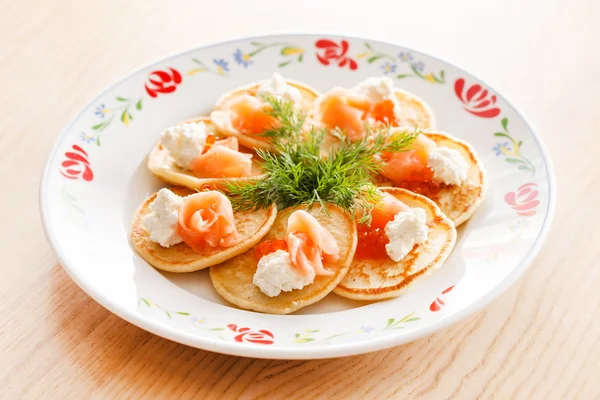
[
  {"x": 405, "y": 56},
  {"x": 502, "y": 148},
  {"x": 419, "y": 66},
  {"x": 101, "y": 110},
  {"x": 86, "y": 137},
  {"x": 222, "y": 65},
  {"x": 388, "y": 67},
  {"x": 366, "y": 329},
  {"x": 242, "y": 58}
]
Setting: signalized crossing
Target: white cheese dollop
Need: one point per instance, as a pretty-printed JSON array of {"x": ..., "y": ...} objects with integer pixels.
[
  {"x": 162, "y": 222},
  {"x": 275, "y": 274},
  {"x": 185, "y": 142},
  {"x": 448, "y": 165},
  {"x": 278, "y": 88},
  {"x": 404, "y": 231},
  {"x": 379, "y": 89}
]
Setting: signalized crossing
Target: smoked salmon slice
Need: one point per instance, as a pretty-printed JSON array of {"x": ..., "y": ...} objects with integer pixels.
[
  {"x": 309, "y": 243},
  {"x": 230, "y": 142},
  {"x": 345, "y": 111},
  {"x": 411, "y": 165},
  {"x": 386, "y": 210},
  {"x": 349, "y": 111},
  {"x": 250, "y": 116},
  {"x": 223, "y": 160},
  {"x": 206, "y": 221}
]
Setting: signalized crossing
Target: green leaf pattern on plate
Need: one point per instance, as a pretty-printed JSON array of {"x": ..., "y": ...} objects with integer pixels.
[
  {"x": 122, "y": 108},
  {"x": 74, "y": 211},
  {"x": 168, "y": 313},
  {"x": 289, "y": 51},
  {"x": 306, "y": 336},
  {"x": 511, "y": 149},
  {"x": 392, "y": 63},
  {"x": 216, "y": 67}
]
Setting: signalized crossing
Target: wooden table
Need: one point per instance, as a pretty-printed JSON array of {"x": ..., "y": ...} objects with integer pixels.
[{"x": 539, "y": 340}]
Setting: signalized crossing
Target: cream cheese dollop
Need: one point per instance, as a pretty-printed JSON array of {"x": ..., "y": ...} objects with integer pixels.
[
  {"x": 163, "y": 220},
  {"x": 379, "y": 89},
  {"x": 275, "y": 274},
  {"x": 448, "y": 165},
  {"x": 407, "y": 229},
  {"x": 185, "y": 142},
  {"x": 278, "y": 88}
]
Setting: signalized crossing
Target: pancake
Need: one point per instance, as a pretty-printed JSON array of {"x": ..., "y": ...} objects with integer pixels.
[
  {"x": 458, "y": 202},
  {"x": 415, "y": 113},
  {"x": 161, "y": 164},
  {"x": 382, "y": 279},
  {"x": 252, "y": 226},
  {"x": 222, "y": 120},
  {"x": 233, "y": 278}
]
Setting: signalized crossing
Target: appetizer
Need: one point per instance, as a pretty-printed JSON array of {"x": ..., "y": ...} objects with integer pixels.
[
  {"x": 247, "y": 113},
  {"x": 194, "y": 155},
  {"x": 351, "y": 192},
  {"x": 408, "y": 237},
  {"x": 302, "y": 259},
  {"x": 440, "y": 167},
  {"x": 181, "y": 231}
]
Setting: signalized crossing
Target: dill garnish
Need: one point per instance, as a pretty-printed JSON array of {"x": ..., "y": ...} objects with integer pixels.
[
  {"x": 290, "y": 121},
  {"x": 298, "y": 173}
]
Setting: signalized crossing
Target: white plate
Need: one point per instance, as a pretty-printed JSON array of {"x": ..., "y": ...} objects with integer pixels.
[{"x": 96, "y": 177}]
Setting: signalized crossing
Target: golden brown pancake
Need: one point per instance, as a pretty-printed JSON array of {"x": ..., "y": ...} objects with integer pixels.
[
  {"x": 415, "y": 113},
  {"x": 161, "y": 164},
  {"x": 458, "y": 202},
  {"x": 222, "y": 119},
  {"x": 233, "y": 278},
  {"x": 382, "y": 279},
  {"x": 252, "y": 226}
]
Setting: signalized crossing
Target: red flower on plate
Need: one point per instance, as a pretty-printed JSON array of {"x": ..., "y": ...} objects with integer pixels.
[
  {"x": 76, "y": 165},
  {"x": 439, "y": 303},
  {"x": 163, "y": 82},
  {"x": 248, "y": 335},
  {"x": 329, "y": 51},
  {"x": 477, "y": 100},
  {"x": 524, "y": 200}
]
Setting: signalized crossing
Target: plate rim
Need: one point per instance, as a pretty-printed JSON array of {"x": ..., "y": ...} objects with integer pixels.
[{"x": 332, "y": 350}]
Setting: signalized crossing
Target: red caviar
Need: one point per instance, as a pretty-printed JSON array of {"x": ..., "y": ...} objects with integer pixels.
[
  {"x": 422, "y": 175},
  {"x": 270, "y": 246},
  {"x": 384, "y": 112},
  {"x": 371, "y": 242},
  {"x": 425, "y": 188}
]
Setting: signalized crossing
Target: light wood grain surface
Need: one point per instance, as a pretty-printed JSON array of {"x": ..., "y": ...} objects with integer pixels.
[{"x": 539, "y": 340}]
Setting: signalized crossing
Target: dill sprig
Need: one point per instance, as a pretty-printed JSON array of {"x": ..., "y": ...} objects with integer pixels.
[
  {"x": 299, "y": 173},
  {"x": 290, "y": 120}
]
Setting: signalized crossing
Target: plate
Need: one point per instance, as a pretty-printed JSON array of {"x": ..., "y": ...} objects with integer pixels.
[{"x": 96, "y": 176}]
